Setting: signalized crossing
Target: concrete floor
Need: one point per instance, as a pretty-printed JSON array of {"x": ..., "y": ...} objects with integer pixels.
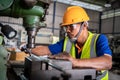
[{"x": 113, "y": 76}]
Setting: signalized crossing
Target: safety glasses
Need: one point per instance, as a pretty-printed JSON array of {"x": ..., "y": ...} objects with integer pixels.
[{"x": 71, "y": 27}]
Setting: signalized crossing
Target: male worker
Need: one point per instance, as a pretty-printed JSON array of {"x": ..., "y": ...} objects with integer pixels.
[{"x": 83, "y": 48}]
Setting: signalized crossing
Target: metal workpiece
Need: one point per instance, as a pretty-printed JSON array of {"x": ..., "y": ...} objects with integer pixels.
[
  {"x": 65, "y": 64},
  {"x": 42, "y": 68}
]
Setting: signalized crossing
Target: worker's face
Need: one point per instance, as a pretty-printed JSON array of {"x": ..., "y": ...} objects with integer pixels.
[{"x": 72, "y": 29}]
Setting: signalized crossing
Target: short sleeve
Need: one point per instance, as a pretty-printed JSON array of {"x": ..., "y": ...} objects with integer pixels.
[
  {"x": 102, "y": 46},
  {"x": 57, "y": 47}
]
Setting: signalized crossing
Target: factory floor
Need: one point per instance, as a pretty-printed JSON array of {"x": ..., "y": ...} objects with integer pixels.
[{"x": 113, "y": 76}]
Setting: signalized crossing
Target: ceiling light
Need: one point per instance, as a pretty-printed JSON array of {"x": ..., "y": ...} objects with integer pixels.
[{"x": 107, "y": 5}]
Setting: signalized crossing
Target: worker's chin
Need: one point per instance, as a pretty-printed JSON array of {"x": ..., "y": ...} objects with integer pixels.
[{"x": 70, "y": 37}]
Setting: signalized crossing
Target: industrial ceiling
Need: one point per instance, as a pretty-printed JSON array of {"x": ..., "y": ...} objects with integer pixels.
[{"x": 98, "y": 5}]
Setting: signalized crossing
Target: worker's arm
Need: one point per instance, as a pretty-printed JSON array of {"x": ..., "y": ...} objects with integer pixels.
[
  {"x": 47, "y": 50},
  {"x": 99, "y": 63},
  {"x": 41, "y": 50}
]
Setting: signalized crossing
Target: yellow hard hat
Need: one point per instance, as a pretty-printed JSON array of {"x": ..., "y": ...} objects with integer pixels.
[{"x": 74, "y": 14}]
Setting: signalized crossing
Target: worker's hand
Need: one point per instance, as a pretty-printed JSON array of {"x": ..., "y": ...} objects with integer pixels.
[{"x": 63, "y": 56}]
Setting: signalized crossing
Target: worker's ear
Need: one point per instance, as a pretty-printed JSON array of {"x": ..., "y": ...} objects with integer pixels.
[{"x": 85, "y": 24}]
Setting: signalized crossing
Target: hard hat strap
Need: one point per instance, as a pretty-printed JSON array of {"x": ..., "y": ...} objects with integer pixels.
[{"x": 77, "y": 35}]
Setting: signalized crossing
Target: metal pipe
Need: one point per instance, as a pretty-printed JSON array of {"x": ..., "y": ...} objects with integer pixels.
[
  {"x": 100, "y": 22},
  {"x": 113, "y": 22},
  {"x": 54, "y": 11}
]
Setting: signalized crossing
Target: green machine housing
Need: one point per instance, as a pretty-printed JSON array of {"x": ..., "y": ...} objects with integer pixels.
[{"x": 33, "y": 13}]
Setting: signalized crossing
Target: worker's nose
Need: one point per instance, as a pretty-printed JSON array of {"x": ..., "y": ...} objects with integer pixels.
[{"x": 68, "y": 29}]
